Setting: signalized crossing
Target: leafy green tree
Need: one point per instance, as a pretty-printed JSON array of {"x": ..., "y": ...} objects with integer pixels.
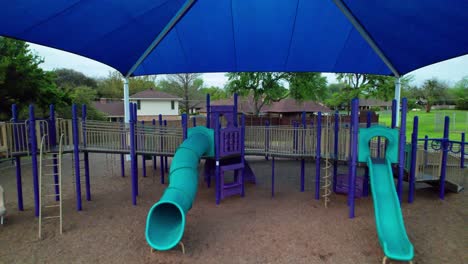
[
  {"x": 22, "y": 81},
  {"x": 460, "y": 90},
  {"x": 215, "y": 92},
  {"x": 68, "y": 79},
  {"x": 112, "y": 85},
  {"x": 185, "y": 85},
  {"x": 264, "y": 87},
  {"x": 431, "y": 91},
  {"x": 307, "y": 86}
]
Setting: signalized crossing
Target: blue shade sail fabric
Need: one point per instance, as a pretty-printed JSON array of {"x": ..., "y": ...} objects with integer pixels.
[{"x": 245, "y": 35}]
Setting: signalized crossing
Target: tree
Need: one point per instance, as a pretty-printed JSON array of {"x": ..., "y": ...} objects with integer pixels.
[
  {"x": 22, "y": 81},
  {"x": 460, "y": 90},
  {"x": 112, "y": 85},
  {"x": 185, "y": 85},
  {"x": 307, "y": 86},
  {"x": 431, "y": 91},
  {"x": 264, "y": 87},
  {"x": 68, "y": 79},
  {"x": 215, "y": 92}
]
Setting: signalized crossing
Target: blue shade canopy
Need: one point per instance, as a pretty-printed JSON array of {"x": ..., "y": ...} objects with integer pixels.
[{"x": 142, "y": 37}]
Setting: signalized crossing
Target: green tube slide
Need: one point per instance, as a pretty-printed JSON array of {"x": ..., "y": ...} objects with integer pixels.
[
  {"x": 388, "y": 217},
  {"x": 166, "y": 219}
]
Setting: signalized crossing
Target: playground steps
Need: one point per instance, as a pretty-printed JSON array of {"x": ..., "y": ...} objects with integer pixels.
[
  {"x": 342, "y": 184},
  {"x": 449, "y": 186},
  {"x": 231, "y": 188},
  {"x": 50, "y": 187}
]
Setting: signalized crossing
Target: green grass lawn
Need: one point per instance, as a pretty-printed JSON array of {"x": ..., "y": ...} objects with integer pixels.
[{"x": 427, "y": 123}]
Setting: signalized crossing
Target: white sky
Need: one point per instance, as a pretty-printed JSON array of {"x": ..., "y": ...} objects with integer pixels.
[{"x": 451, "y": 70}]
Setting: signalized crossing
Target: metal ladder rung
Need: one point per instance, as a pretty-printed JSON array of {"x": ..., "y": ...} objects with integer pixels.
[
  {"x": 51, "y": 174},
  {"x": 51, "y": 184},
  {"x": 49, "y": 195},
  {"x": 53, "y": 165},
  {"x": 51, "y": 217},
  {"x": 51, "y": 206}
]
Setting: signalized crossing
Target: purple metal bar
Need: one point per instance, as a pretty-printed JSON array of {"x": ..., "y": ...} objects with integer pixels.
[
  {"x": 53, "y": 143},
  {"x": 135, "y": 123},
  {"x": 133, "y": 155},
  {"x": 154, "y": 156},
  {"x": 184, "y": 126},
  {"x": 85, "y": 155},
  {"x": 194, "y": 121},
  {"x": 273, "y": 176},
  {"x": 217, "y": 159},
  {"x": 235, "y": 110},
  {"x": 122, "y": 156},
  {"x": 304, "y": 126},
  {"x": 335, "y": 150},
  {"x": 19, "y": 182},
  {"x": 267, "y": 138},
  {"x": 242, "y": 142},
  {"x": 365, "y": 186},
  {"x": 76, "y": 154},
  {"x": 402, "y": 143},
  {"x": 317, "y": 156},
  {"x": 143, "y": 158},
  {"x": 462, "y": 151},
  {"x": 208, "y": 111},
  {"x": 161, "y": 158},
  {"x": 32, "y": 137},
  {"x": 414, "y": 151},
  {"x": 394, "y": 112},
  {"x": 354, "y": 153},
  {"x": 166, "y": 166},
  {"x": 443, "y": 169}
]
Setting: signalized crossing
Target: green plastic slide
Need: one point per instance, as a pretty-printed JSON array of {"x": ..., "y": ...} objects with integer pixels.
[
  {"x": 166, "y": 219},
  {"x": 388, "y": 217}
]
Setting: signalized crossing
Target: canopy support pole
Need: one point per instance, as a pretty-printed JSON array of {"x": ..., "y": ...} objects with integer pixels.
[
  {"x": 161, "y": 36},
  {"x": 362, "y": 31},
  {"x": 397, "y": 99},
  {"x": 126, "y": 101}
]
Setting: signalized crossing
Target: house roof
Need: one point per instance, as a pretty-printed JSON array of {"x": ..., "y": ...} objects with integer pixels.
[
  {"x": 112, "y": 108},
  {"x": 373, "y": 102},
  {"x": 153, "y": 94},
  {"x": 246, "y": 105},
  {"x": 292, "y": 106}
]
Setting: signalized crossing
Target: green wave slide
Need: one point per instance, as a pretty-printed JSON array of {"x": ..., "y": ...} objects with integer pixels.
[
  {"x": 388, "y": 217},
  {"x": 165, "y": 222}
]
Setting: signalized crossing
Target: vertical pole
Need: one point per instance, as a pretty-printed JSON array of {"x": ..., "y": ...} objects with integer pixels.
[
  {"x": 217, "y": 158},
  {"x": 126, "y": 101},
  {"x": 85, "y": 155},
  {"x": 166, "y": 167},
  {"x": 426, "y": 141},
  {"x": 443, "y": 169},
  {"x": 161, "y": 158},
  {"x": 304, "y": 126},
  {"x": 335, "y": 150},
  {"x": 33, "y": 139},
  {"x": 242, "y": 140},
  {"x": 208, "y": 111},
  {"x": 76, "y": 154},
  {"x": 184, "y": 126},
  {"x": 267, "y": 138},
  {"x": 414, "y": 151},
  {"x": 123, "y": 144},
  {"x": 394, "y": 113},
  {"x": 142, "y": 143},
  {"x": 354, "y": 153},
  {"x": 365, "y": 187},
  {"x": 194, "y": 121},
  {"x": 235, "y": 110},
  {"x": 402, "y": 141},
  {"x": 53, "y": 143},
  {"x": 19, "y": 182},
  {"x": 462, "y": 151},
  {"x": 317, "y": 156},
  {"x": 135, "y": 127},
  {"x": 154, "y": 156},
  {"x": 397, "y": 100},
  {"x": 273, "y": 176},
  {"x": 133, "y": 156}
]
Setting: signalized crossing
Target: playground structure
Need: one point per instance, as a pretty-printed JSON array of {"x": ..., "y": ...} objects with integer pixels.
[{"x": 324, "y": 138}]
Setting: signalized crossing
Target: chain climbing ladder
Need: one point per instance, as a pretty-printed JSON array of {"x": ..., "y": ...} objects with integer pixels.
[
  {"x": 326, "y": 141},
  {"x": 47, "y": 163}
]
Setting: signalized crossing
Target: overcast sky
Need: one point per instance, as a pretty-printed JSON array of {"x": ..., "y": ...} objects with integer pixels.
[{"x": 450, "y": 70}]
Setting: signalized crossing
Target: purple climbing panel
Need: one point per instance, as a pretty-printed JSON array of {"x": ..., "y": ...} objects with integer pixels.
[{"x": 342, "y": 185}]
